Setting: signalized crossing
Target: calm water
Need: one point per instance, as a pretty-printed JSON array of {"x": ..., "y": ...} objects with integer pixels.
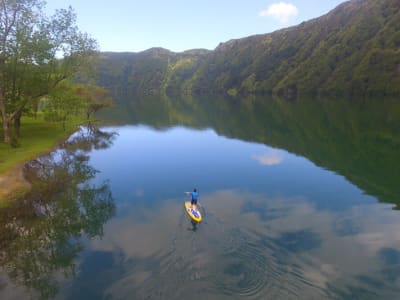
[{"x": 299, "y": 202}]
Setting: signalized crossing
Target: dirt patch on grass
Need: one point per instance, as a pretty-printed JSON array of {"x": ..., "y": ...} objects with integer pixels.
[{"x": 12, "y": 182}]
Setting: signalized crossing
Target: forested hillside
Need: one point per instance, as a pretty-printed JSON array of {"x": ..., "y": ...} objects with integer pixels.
[
  {"x": 151, "y": 72},
  {"x": 353, "y": 50}
]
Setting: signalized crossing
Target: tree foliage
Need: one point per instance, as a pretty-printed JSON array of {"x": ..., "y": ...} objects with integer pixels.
[
  {"x": 94, "y": 98},
  {"x": 37, "y": 52}
]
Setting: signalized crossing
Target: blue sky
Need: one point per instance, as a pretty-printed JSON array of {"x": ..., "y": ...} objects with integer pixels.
[{"x": 178, "y": 25}]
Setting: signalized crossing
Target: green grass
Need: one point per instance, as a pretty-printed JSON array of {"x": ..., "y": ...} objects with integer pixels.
[{"x": 36, "y": 137}]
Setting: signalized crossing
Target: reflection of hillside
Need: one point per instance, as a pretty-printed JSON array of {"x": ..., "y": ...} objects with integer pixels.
[{"x": 358, "y": 139}]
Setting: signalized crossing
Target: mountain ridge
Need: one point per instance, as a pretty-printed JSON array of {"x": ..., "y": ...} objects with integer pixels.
[{"x": 353, "y": 50}]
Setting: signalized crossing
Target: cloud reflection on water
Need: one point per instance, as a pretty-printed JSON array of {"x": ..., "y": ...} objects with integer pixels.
[
  {"x": 252, "y": 245},
  {"x": 272, "y": 157}
]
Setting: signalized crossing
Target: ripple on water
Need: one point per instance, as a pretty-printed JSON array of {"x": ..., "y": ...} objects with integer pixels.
[
  {"x": 253, "y": 268},
  {"x": 218, "y": 263}
]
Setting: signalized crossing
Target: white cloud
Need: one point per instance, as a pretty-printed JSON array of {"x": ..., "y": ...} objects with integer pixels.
[{"x": 281, "y": 11}]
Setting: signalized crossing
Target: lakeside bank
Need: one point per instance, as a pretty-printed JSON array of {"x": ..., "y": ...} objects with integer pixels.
[{"x": 37, "y": 138}]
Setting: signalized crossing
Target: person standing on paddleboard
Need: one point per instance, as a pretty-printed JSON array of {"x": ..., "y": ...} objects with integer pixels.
[{"x": 194, "y": 195}]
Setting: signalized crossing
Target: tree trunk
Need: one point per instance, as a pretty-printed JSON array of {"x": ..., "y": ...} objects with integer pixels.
[
  {"x": 6, "y": 131},
  {"x": 4, "y": 119},
  {"x": 17, "y": 123}
]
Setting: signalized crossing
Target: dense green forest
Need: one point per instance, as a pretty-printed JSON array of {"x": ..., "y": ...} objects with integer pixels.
[{"x": 353, "y": 50}]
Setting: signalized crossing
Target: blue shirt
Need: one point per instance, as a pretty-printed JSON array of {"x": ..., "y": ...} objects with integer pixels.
[{"x": 194, "y": 195}]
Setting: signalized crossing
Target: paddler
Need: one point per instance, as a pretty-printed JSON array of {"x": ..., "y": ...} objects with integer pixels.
[{"x": 194, "y": 195}]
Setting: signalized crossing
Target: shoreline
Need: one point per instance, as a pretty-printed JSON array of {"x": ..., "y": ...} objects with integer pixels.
[{"x": 12, "y": 183}]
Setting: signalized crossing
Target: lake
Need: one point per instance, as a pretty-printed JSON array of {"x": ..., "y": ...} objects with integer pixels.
[{"x": 299, "y": 200}]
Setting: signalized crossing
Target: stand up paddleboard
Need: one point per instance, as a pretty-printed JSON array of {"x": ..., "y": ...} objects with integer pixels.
[{"x": 193, "y": 212}]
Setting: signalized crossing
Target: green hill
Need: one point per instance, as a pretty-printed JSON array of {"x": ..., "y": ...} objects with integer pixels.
[
  {"x": 151, "y": 72},
  {"x": 353, "y": 50}
]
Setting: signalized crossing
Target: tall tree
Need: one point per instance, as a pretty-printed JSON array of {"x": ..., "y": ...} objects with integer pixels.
[
  {"x": 10, "y": 13},
  {"x": 37, "y": 53}
]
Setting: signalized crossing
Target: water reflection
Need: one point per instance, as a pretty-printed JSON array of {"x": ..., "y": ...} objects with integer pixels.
[
  {"x": 357, "y": 138},
  {"x": 41, "y": 235},
  {"x": 238, "y": 252},
  {"x": 276, "y": 225},
  {"x": 270, "y": 158}
]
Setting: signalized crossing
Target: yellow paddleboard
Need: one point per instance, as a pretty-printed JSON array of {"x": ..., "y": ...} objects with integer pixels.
[{"x": 193, "y": 212}]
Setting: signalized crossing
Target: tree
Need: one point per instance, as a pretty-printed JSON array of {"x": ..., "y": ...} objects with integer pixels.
[
  {"x": 74, "y": 99},
  {"x": 37, "y": 53},
  {"x": 95, "y": 98},
  {"x": 63, "y": 102}
]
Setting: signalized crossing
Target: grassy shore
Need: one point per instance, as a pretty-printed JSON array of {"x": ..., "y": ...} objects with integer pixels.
[{"x": 36, "y": 137}]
